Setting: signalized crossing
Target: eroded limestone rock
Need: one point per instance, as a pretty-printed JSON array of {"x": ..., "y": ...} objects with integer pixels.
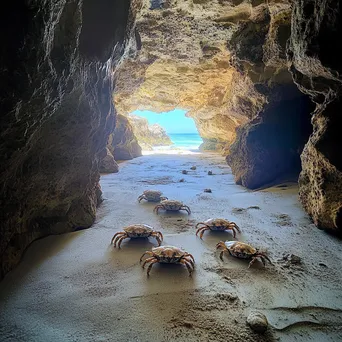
[
  {"x": 316, "y": 68},
  {"x": 122, "y": 142},
  {"x": 56, "y": 113},
  {"x": 148, "y": 135},
  {"x": 267, "y": 148},
  {"x": 184, "y": 63},
  {"x": 108, "y": 164}
]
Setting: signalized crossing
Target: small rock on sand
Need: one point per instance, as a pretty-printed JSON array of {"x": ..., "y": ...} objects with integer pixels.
[
  {"x": 207, "y": 190},
  {"x": 292, "y": 259},
  {"x": 184, "y": 172},
  {"x": 193, "y": 168},
  {"x": 210, "y": 173},
  {"x": 257, "y": 321}
]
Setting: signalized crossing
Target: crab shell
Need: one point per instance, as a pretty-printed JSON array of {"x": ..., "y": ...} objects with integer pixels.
[
  {"x": 217, "y": 224},
  {"x": 138, "y": 230},
  {"x": 168, "y": 254},
  {"x": 171, "y": 205},
  {"x": 152, "y": 195},
  {"x": 240, "y": 249}
]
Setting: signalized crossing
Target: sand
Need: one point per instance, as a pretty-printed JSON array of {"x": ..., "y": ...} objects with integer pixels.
[{"x": 77, "y": 287}]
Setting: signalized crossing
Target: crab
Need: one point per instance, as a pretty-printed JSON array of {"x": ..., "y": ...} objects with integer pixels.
[
  {"x": 152, "y": 196},
  {"x": 171, "y": 205},
  {"x": 242, "y": 250},
  {"x": 217, "y": 224},
  {"x": 168, "y": 255},
  {"x": 136, "y": 231}
]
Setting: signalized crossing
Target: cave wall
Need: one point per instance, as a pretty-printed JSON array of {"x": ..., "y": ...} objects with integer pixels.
[
  {"x": 56, "y": 109},
  {"x": 267, "y": 149},
  {"x": 122, "y": 143},
  {"x": 316, "y": 67}
]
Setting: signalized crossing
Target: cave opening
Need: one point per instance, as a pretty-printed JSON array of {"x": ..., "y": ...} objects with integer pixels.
[
  {"x": 268, "y": 148},
  {"x": 165, "y": 132}
]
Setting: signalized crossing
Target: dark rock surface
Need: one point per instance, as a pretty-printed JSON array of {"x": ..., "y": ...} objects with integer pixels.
[
  {"x": 316, "y": 68},
  {"x": 268, "y": 147},
  {"x": 56, "y": 109}
]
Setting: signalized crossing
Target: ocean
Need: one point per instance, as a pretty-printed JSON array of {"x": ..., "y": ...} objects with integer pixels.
[{"x": 183, "y": 141}]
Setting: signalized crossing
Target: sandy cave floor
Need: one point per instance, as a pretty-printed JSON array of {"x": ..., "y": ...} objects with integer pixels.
[{"x": 76, "y": 287}]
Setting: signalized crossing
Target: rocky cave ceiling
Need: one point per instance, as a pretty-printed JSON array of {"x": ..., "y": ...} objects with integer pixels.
[{"x": 186, "y": 60}]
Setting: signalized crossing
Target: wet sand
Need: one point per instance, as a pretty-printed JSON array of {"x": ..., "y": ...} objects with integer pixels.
[{"x": 77, "y": 287}]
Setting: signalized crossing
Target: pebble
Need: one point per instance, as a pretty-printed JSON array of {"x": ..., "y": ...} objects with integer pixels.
[
  {"x": 257, "y": 321},
  {"x": 295, "y": 259},
  {"x": 184, "y": 172},
  {"x": 210, "y": 173},
  {"x": 193, "y": 168},
  {"x": 207, "y": 190}
]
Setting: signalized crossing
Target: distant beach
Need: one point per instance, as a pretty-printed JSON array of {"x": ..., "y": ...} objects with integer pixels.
[{"x": 183, "y": 143}]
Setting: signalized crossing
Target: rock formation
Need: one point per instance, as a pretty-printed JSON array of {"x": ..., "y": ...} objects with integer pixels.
[
  {"x": 184, "y": 63},
  {"x": 122, "y": 142},
  {"x": 148, "y": 135},
  {"x": 267, "y": 148},
  {"x": 56, "y": 105},
  {"x": 316, "y": 68},
  {"x": 108, "y": 163}
]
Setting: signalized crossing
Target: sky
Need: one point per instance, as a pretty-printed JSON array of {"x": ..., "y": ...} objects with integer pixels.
[{"x": 173, "y": 122}]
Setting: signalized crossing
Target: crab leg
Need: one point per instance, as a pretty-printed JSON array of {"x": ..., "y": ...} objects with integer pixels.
[
  {"x": 186, "y": 208},
  {"x": 115, "y": 235},
  {"x": 203, "y": 230},
  {"x": 205, "y": 227},
  {"x": 190, "y": 261},
  {"x": 163, "y": 198},
  {"x": 157, "y": 207},
  {"x": 221, "y": 254},
  {"x": 190, "y": 255},
  {"x": 148, "y": 260},
  {"x": 150, "y": 266},
  {"x": 267, "y": 258},
  {"x": 234, "y": 225},
  {"x": 221, "y": 244},
  {"x": 147, "y": 252},
  {"x": 201, "y": 223},
  {"x": 141, "y": 197},
  {"x": 159, "y": 236},
  {"x": 160, "y": 233},
  {"x": 120, "y": 239},
  {"x": 184, "y": 262},
  {"x": 253, "y": 261},
  {"x": 262, "y": 260},
  {"x": 158, "y": 239}
]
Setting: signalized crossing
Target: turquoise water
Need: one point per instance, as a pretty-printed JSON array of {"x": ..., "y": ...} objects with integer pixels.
[{"x": 185, "y": 141}]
